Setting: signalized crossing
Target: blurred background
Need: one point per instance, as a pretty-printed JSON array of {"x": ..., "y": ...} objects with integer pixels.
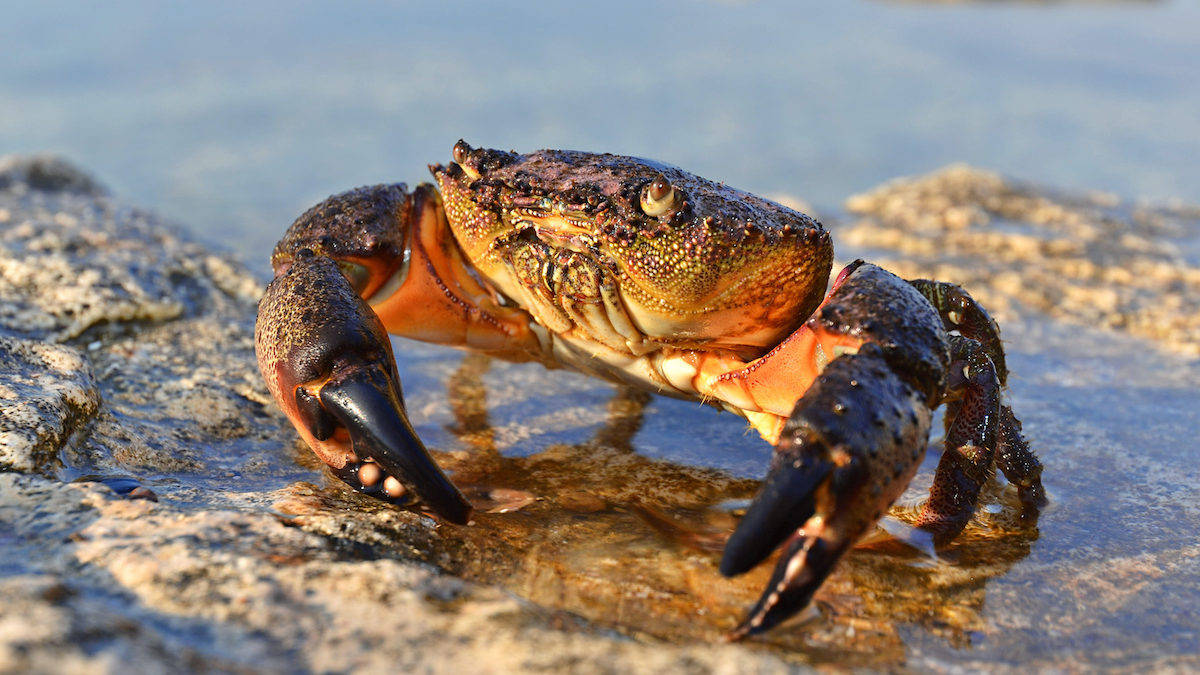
[{"x": 234, "y": 117}]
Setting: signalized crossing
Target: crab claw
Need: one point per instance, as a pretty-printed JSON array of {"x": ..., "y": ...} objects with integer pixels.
[
  {"x": 328, "y": 362},
  {"x": 848, "y": 450}
]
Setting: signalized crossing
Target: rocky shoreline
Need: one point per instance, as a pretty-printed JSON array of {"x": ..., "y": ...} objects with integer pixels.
[{"x": 126, "y": 360}]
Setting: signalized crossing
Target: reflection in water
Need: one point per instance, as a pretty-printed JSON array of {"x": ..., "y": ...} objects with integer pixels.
[{"x": 596, "y": 530}]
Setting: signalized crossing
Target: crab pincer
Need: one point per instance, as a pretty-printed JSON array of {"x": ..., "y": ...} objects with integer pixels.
[
  {"x": 328, "y": 362},
  {"x": 850, "y": 449},
  {"x": 851, "y": 445}
]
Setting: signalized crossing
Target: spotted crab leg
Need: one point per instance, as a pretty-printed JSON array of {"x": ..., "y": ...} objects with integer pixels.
[
  {"x": 981, "y": 430},
  {"x": 972, "y": 421},
  {"x": 851, "y": 444},
  {"x": 963, "y": 315},
  {"x": 1020, "y": 466}
]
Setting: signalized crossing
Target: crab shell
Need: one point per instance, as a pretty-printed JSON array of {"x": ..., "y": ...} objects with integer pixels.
[{"x": 716, "y": 268}]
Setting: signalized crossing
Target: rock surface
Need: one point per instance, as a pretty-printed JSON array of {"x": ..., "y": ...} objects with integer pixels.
[
  {"x": 48, "y": 393},
  {"x": 110, "y": 584},
  {"x": 126, "y": 359}
]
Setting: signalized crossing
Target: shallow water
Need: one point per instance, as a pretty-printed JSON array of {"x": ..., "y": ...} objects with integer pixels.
[{"x": 234, "y": 118}]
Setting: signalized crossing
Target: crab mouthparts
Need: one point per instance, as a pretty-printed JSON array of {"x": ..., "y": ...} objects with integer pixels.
[{"x": 558, "y": 231}]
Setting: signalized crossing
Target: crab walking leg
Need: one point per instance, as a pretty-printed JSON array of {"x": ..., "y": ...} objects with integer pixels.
[
  {"x": 328, "y": 362},
  {"x": 850, "y": 445},
  {"x": 960, "y": 312},
  {"x": 970, "y": 444},
  {"x": 1020, "y": 466}
]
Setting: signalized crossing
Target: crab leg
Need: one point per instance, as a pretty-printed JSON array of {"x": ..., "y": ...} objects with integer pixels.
[
  {"x": 1020, "y": 466},
  {"x": 961, "y": 313},
  {"x": 849, "y": 450},
  {"x": 971, "y": 435}
]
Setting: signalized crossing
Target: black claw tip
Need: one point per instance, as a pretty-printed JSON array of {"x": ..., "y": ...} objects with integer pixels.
[
  {"x": 785, "y": 502},
  {"x": 791, "y": 586},
  {"x": 363, "y": 401}
]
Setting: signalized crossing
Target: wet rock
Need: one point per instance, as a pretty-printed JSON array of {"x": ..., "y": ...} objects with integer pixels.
[
  {"x": 95, "y": 582},
  {"x": 47, "y": 394},
  {"x": 157, "y": 327}
]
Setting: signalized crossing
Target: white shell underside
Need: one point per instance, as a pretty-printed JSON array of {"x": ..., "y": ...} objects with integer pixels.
[{"x": 664, "y": 374}]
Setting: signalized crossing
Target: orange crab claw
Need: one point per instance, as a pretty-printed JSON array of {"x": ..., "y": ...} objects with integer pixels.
[{"x": 328, "y": 362}]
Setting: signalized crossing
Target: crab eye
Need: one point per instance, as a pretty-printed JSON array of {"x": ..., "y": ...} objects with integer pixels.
[
  {"x": 658, "y": 197},
  {"x": 460, "y": 151},
  {"x": 358, "y": 275}
]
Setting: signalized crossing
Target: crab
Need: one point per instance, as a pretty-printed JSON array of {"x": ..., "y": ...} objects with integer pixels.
[{"x": 652, "y": 277}]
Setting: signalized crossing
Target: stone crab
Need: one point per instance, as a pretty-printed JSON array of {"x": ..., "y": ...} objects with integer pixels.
[{"x": 652, "y": 277}]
